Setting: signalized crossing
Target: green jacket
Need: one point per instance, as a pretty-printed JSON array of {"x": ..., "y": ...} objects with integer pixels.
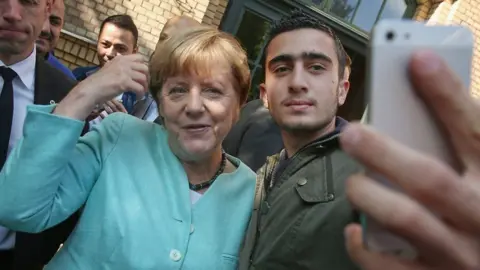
[{"x": 302, "y": 215}]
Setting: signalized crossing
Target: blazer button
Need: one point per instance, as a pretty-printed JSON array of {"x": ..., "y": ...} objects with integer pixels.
[
  {"x": 175, "y": 255},
  {"x": 302, "y": 182}
]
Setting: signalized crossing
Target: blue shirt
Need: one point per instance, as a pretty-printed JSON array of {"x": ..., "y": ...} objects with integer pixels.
[
  {"x": 81, "y": 73},
  {"x": 57, "y": 64},
  {"x": 137, "y": 212}
]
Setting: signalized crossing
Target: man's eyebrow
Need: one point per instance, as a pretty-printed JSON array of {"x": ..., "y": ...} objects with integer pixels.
[
  {"x": 305, "y": 55},
  {"x": 281, "y": 58},
  {"x": 316, "y": 56}
]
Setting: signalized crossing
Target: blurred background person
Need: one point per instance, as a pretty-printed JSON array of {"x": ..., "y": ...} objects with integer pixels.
[{"x": 49, "y": 36}]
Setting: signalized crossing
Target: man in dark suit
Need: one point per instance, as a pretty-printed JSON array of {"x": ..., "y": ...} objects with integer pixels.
[
  {"x": 25, "y": 78},
  {"x": 254, "y": 137}
]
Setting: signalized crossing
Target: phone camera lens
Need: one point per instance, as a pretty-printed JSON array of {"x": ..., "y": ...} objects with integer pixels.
[{"x": 390, "y": 35}]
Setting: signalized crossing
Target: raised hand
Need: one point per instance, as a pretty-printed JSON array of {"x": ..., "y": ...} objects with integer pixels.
[
  {"x": 123, "y": 73},
  {"x": 451, "y": 239}
]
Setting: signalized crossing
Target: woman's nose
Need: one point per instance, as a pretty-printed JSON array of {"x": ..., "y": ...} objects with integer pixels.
[{"x": 195, "y": 105}]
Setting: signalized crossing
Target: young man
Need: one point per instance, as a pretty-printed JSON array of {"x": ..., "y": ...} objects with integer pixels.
[
  {"x": 256, "y": 135},
  {"x": 49, "y": 36},
  {"x": 303, "y": 210},
  {"x": 118, "y": 36},
  {"x": 25, "y": 78}
]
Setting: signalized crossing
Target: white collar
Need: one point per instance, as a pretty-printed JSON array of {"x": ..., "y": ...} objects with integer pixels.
[{"x": 25, "y": 69}]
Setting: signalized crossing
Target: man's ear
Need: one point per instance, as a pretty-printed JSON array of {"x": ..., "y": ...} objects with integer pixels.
[
  {"x": 263, "y": 94},
  {"x": 343, "y": 88},
  {"x": 135, "y": 50}
]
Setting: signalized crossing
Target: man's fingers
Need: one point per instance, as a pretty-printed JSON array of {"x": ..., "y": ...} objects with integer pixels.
[
  {"x": 368, "y": 260},
  {"x": 443, "y": 92},
  {"x": 423, "y": 178},
  {"x": 139, "y": 88},
  {"x": 114, "y": 106},
  {"x": 402, "y": 216},
  {"x": 140, "y": 67},
  {"x": 135, "y": 58},
  {"x": 108, "y": 109},
  {"x": 118, "y": 106},
  {"x": 142, "y": 79}
]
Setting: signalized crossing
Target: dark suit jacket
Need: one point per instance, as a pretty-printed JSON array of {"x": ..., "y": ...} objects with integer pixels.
[
  {"x": 254, "y": 137},
  {"x": 33, "y": 251}
]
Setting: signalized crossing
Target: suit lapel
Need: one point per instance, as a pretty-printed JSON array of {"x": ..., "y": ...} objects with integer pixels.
[
  {"x": 46, "y": 90},
  {"x": 141, "y": 107}
]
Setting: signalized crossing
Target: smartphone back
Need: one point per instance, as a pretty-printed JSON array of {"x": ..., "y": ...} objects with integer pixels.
[{"x": 394, "y": 108}]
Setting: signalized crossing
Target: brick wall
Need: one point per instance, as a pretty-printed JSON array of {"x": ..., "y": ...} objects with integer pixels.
[
  {"x": 83, "y": 19},
  {"x": 463, "y": 12}
]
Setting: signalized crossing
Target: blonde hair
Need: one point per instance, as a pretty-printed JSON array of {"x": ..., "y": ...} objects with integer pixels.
[{"x": 199, "y": 49}]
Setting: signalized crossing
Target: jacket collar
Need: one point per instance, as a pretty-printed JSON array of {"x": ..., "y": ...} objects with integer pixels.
[
  {"x": 46, "y": 89},
  {"x": 330, "y": 140}
]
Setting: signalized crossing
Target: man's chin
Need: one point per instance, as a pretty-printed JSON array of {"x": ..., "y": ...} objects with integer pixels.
[
  {"x": 41, "y": 47},
  {"x": 301, "y": 126}
]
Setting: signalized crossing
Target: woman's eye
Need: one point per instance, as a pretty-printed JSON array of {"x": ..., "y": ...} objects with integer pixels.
[
  {"x": 213, "y": 91},
  {"x": 177, "y": 90}
]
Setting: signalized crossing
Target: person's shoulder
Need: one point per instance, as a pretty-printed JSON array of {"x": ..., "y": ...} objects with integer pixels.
[
  {"x": 62, "y": 67},
  {"x": 53, "y": 75},
  {"x": 80, "y": 73}
]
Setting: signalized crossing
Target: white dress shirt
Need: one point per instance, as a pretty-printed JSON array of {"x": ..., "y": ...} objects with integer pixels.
[{"x": 23, "y": 92}]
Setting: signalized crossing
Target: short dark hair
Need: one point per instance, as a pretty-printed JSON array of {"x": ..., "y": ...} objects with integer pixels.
[
  {"x": 300, "y": 20},
  {"x": 122, "y": 21}
]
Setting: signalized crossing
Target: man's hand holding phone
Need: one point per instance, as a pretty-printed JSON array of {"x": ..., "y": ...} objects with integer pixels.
[{"x": 450, "y": 239}]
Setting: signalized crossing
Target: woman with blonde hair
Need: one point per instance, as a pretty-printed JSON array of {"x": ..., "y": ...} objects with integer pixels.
[{"x": 153, "y": 197}]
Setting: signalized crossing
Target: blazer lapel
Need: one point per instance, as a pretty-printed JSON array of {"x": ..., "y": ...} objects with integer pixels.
[
  {"x": 46, "y": 89},
  {"x": 141, "y": 107}
]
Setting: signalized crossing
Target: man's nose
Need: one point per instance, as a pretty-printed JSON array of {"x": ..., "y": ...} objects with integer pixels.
[
  {"x": 111, "y": 53},
  {"x": 12, "y": 10},
  {"x": 298, "y": 80},
  {"x": 46, "y": 27}
]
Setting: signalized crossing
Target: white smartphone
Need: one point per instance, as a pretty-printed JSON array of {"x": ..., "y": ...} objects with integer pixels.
[{"x": 395, "y": 109}]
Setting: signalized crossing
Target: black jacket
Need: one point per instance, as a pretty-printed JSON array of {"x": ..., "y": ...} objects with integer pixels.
[{"x": 254, "y": 137}]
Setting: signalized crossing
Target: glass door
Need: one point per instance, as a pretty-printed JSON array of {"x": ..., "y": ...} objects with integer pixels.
[{"x": 250, "y": 23}]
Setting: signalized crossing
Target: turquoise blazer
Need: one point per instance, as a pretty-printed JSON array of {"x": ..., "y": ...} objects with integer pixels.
[{"x": 137, "y": 211}]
